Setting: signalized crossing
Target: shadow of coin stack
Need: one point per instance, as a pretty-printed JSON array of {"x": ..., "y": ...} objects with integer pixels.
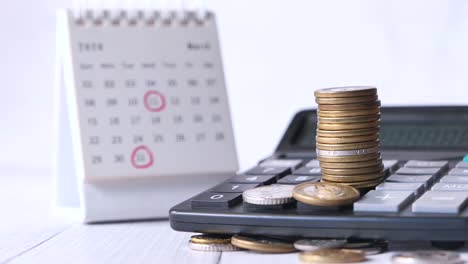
[{"x": 348, "y": 136}]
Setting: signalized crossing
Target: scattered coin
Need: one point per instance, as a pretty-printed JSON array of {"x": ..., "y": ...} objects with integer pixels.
[
  {"x": 426, "y": 257},
  {"x": 332, "y": 256},
  {"x": 263, "y": 244},
  {"x": 325, "y": 194},
  {"x": 314, "y": 244},
  {"x": 348, "y": 91},
  {"x": 269, "y": 195},
  {"x": 211, "y": 239},
  {"x": 212, "y": 242},
  {"x": 213, "y": 247},
  {"x": 346, "y": 100}
]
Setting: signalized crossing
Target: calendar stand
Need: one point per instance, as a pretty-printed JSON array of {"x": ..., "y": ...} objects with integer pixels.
[{"x": 147, "y": 177}]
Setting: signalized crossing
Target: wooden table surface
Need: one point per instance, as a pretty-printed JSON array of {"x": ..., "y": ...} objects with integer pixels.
[{"x": 32, "y": 232}]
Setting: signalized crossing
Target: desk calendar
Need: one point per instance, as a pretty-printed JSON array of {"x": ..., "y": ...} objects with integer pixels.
[{"x": 143, "y": 114}]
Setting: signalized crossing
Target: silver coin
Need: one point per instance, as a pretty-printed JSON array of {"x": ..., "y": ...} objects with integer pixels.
[
  {"x": 426, "y": 257},
  {"x": 314, "y": 244},
  {"x": 213, "y": 247},
  {"x": 269, "y": 195},
  {"x": 341, "y": 153}
]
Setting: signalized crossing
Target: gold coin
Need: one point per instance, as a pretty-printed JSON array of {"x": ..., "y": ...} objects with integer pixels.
[
  {"x": 344, "y": 140},
  {"x": 211, "y": 239},
  {"x": 349, "y": 146},
  {"x": 351, "y": 165},
  {"x": 346, "y": 100},
  {"x": 349, "y": 107},
  {"x": 262, "y": 244},
  {"x": 361, "y": 184},
  {"x": 350, "y": 126},
  {"x": 352, "y": 178},
  {"x": 338, "y": 113},
  {"x": 356, "y": 158},
  {"x": 349, "y": 119},
  {"x": 346, "y": 91},
  {"x": 333, "y": 255},
  {"x": 347, "y": 133},
  {"x": 325, "y": 194},
  {"x": 353, "y": 171}
]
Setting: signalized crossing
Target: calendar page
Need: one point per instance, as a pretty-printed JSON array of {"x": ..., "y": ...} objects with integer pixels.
[{"x": 150, "y": 100}]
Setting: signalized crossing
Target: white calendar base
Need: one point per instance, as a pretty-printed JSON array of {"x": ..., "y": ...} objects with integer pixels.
[{"x": 142, "y": 199}]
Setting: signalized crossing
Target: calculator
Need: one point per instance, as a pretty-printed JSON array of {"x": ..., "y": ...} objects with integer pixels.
[{"x": 423, "y": 197}]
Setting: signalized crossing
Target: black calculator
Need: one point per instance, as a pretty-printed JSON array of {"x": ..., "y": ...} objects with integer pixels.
[{"x": 423, "y": 197}]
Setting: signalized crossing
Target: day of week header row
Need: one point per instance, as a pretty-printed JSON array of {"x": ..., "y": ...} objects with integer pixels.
[{"x": 144, "y": 65}]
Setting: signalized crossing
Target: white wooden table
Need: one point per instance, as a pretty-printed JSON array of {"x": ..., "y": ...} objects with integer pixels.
[{"x": 31, "y": 233}]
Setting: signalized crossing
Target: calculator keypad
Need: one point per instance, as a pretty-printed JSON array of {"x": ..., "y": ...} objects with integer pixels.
[
  {"x": 440, "y": 202},
  {"x": 383, "y": 201}
]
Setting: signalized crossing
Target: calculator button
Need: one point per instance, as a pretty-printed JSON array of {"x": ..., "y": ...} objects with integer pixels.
[
  {"x": 154, "y": 101},
  {"x": 296, "y": 179},
  {"x": 462, "y": 164},
  {"x": 426, "y": 164},
  {"x": 142, "y": 157},
  {"x": 383, "y": 201},
  {"x": 418, "y": 171},
  {"x": 289, "y": 163},
  {"x": 454, "y": 179},
  {"x": 458, "y": 172},
  {"x": 233, "y": 187},
  {"x": 278, "y": 171},
  {"x": 416, "y": 187},
  {"x": 313, "y": 163},
  {"x": 261, "y": 179},
  {"x": 426, "y": 179},
  {"x": 308, "y": 171},
  {"x": 440, "y": 202},
  {"x": 390, "y": 165},
  {"x": 218, "y": 200},
  {"x": 456, "y": 187}
]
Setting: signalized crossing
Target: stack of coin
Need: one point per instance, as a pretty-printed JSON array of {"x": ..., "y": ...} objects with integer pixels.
[
  {"x": 212, "y": 243},
  {"x": 348, "y": 136}
]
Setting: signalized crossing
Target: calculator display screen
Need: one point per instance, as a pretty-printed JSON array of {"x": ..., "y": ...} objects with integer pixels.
[{"x": 401, "y": 135}]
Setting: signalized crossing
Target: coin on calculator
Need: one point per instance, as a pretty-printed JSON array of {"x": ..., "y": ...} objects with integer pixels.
[
  {"x": 275, "y": 194},
  {"x": 344, "y": 113},
  {"x": 427, "y": 257},
  {"x": 314, "y": 244},
  {"x": 330, "y": 255},
  {"x": 325, "y": 194},
  {"x": 346, "y": 100},
  {"x": 263, "y": 244},
  {"x": 346, "y": 91}
]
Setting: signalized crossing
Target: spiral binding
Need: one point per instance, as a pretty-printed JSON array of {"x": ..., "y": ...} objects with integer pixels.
[{"x": 107, "y": 17}]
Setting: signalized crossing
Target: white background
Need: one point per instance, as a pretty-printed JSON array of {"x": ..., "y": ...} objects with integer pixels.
[{"x": 276, "y": 53}]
